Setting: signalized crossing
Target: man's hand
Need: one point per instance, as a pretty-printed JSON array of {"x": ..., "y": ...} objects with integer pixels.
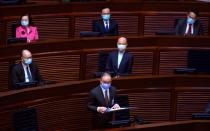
[
  {"x": 116, "y": 106},
  {"x": 101, "y": 109}
]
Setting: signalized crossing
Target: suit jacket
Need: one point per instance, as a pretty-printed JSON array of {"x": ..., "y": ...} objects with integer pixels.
[
  {"x": 18, "y": 74},
  {"x": 98, "y": 26},
  {"x": 182, "y": 24},
  {"x": 125, "y": 65},
  {"x": 96, "y": 99},
  {"x": 208, "y": 108},
  {"x": 32, "y": 35}
]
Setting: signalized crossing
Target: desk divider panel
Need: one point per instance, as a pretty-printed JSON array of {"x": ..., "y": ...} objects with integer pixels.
[
  {"x": 172, "y": 59},
  {"x": 143, "y": 62},
  {"x": 190, "y": 102},
  {"x": 84, "y": 23},
  {"x": 59, "y": 67},
  {"x": 53, "y": 27},
  {"x": 4, "y": 75},
  {"x": 152, "y": 106}
]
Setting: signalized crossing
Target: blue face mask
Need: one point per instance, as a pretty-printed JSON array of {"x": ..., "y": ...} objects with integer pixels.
[
  {"x": 28, "y": 61},
  {"x": 105, "y": 86},
  {"x": 24, "y": 22},
  {"x": 106, "y": 17},
  {"x": 190, "y": 20}
]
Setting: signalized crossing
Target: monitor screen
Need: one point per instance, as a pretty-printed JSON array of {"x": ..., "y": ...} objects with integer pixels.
[
  {"x": 89, "y": 34},
  {"x": 200, "y": 60}
]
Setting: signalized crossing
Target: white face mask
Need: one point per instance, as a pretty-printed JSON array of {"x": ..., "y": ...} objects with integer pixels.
[{"x": 121, "y": 47}]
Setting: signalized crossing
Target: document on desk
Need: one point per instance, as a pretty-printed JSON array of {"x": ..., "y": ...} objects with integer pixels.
[{"x": 118, "y": 109}]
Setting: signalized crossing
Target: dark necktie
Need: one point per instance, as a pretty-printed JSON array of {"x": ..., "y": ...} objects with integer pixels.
[
  {"x": 106, "y": 26},
  {"x": 189, "y": 30},
  {"x": 106, "y": 98},
  {"x": 29, "y": 74}
]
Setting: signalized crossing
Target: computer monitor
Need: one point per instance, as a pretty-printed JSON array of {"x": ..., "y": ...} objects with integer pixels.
[
  {"x": 199, "y": 60},
  {"x": 16, "y": 40},
  {"x": 89, "y": 34},
  {"x": 12, "y": 2},
  {"x": 22, "y": 85}
]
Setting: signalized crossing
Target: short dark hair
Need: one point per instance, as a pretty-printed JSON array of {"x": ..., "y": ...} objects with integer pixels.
[
  {"x": 194, "y": 11},
  {"x": 29, "y": 18},
  {"x": 104, "y": 7}
]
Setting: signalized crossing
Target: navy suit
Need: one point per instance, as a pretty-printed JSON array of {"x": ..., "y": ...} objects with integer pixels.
[
  {"x": 98, "y": 26},
  {"x": 182, "y": 24},
  {"x": 208, "y": 108},
  {"x": 97, "y": 99},
  {"x": 18, "y": 74},
  {"x": 125, "y": 65}
]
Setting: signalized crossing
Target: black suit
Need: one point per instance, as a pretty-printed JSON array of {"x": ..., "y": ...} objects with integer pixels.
[
  {"x": 98, "y": 26},
  {"x": 208, "y": 108},
  {"x": 125, "y": 65},
  {"x": 182, "y": 24},
  {"x": 18, "y": 74},
  {"x": 97, "y": 99}
]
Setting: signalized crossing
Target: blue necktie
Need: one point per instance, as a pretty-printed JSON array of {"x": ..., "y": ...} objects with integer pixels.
[
  {"x": 106, "y": 26},
  {"x": 29, "y": 74}
]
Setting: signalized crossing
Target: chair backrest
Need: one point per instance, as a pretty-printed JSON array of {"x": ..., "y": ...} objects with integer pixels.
[
  {"x": 102, "y": 61},
  {"x": 25, "y": 120}
]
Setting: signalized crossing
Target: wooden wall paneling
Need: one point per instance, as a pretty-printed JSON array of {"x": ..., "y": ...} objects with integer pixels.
[
  {"x": 4, "y": 75},
  {"x": 59, "y": 67},
  {"x": 92, "y": 62},
  {"x": 152, "y": 106},
  {"x": 1, "y": 31},
  {"x": 70, "y": 113},
  {"x": 205, "y": 23},
  {"x": 189, "y": 102},
  {"x": 170, "y": 60},
  {"x": 160, "y": 23},
  {"x": 84, "y": 23},
  {"x": 6, "y": 120},
  {"x": 127, "y": 24},
  {"x": 10, "y": 25},
  {"x": 143, "y": 62},
  {"x": 53, "y": 27}
]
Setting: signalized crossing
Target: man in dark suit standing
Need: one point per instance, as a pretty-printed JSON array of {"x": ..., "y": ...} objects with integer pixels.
[
  {"x": 106, "y": 26},
  {"x": 120, "y": 62},
  {"x": 191, "y": 26},
  {"x": 102, "y": 98},
  {"x": 25, "y": 71}
]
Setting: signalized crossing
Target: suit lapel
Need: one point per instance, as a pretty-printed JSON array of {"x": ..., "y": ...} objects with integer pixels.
[
  {"x": 22, "y": 73},
  {"x": 103, "y": 26},
  {"x": 123, "y": 59},
  {"x": 101, "y": 96},
  {"x": 116, "y": 59}
]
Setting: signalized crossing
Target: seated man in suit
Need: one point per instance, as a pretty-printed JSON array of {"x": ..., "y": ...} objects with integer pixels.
[
  {"x": 191, "y": 26},
  {"x": 106, "y": 26},
  {"x": 101, "y": 98},
  {"x": 26, "y": 70},
  {"x": 120, "y": 62},
  {"x": 208, "y": 108}
]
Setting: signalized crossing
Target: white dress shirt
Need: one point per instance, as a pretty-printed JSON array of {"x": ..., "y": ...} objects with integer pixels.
[
  {"x": 106, "y": 23},
  {"x": 119, "y": 58},
  {"x": 103, "y": 90},
  {"x": 25, "y": 72},
  {"x": 187, "y": 28}
]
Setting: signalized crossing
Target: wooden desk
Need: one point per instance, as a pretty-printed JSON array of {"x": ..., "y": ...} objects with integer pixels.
[
  {"x": 63, "y": 106},
  {"x": 191, "y": 125},
  {"x": 78, "y": 59}
]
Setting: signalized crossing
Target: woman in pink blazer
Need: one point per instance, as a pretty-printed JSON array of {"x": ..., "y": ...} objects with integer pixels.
[{"x": 26, "y": 30}]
